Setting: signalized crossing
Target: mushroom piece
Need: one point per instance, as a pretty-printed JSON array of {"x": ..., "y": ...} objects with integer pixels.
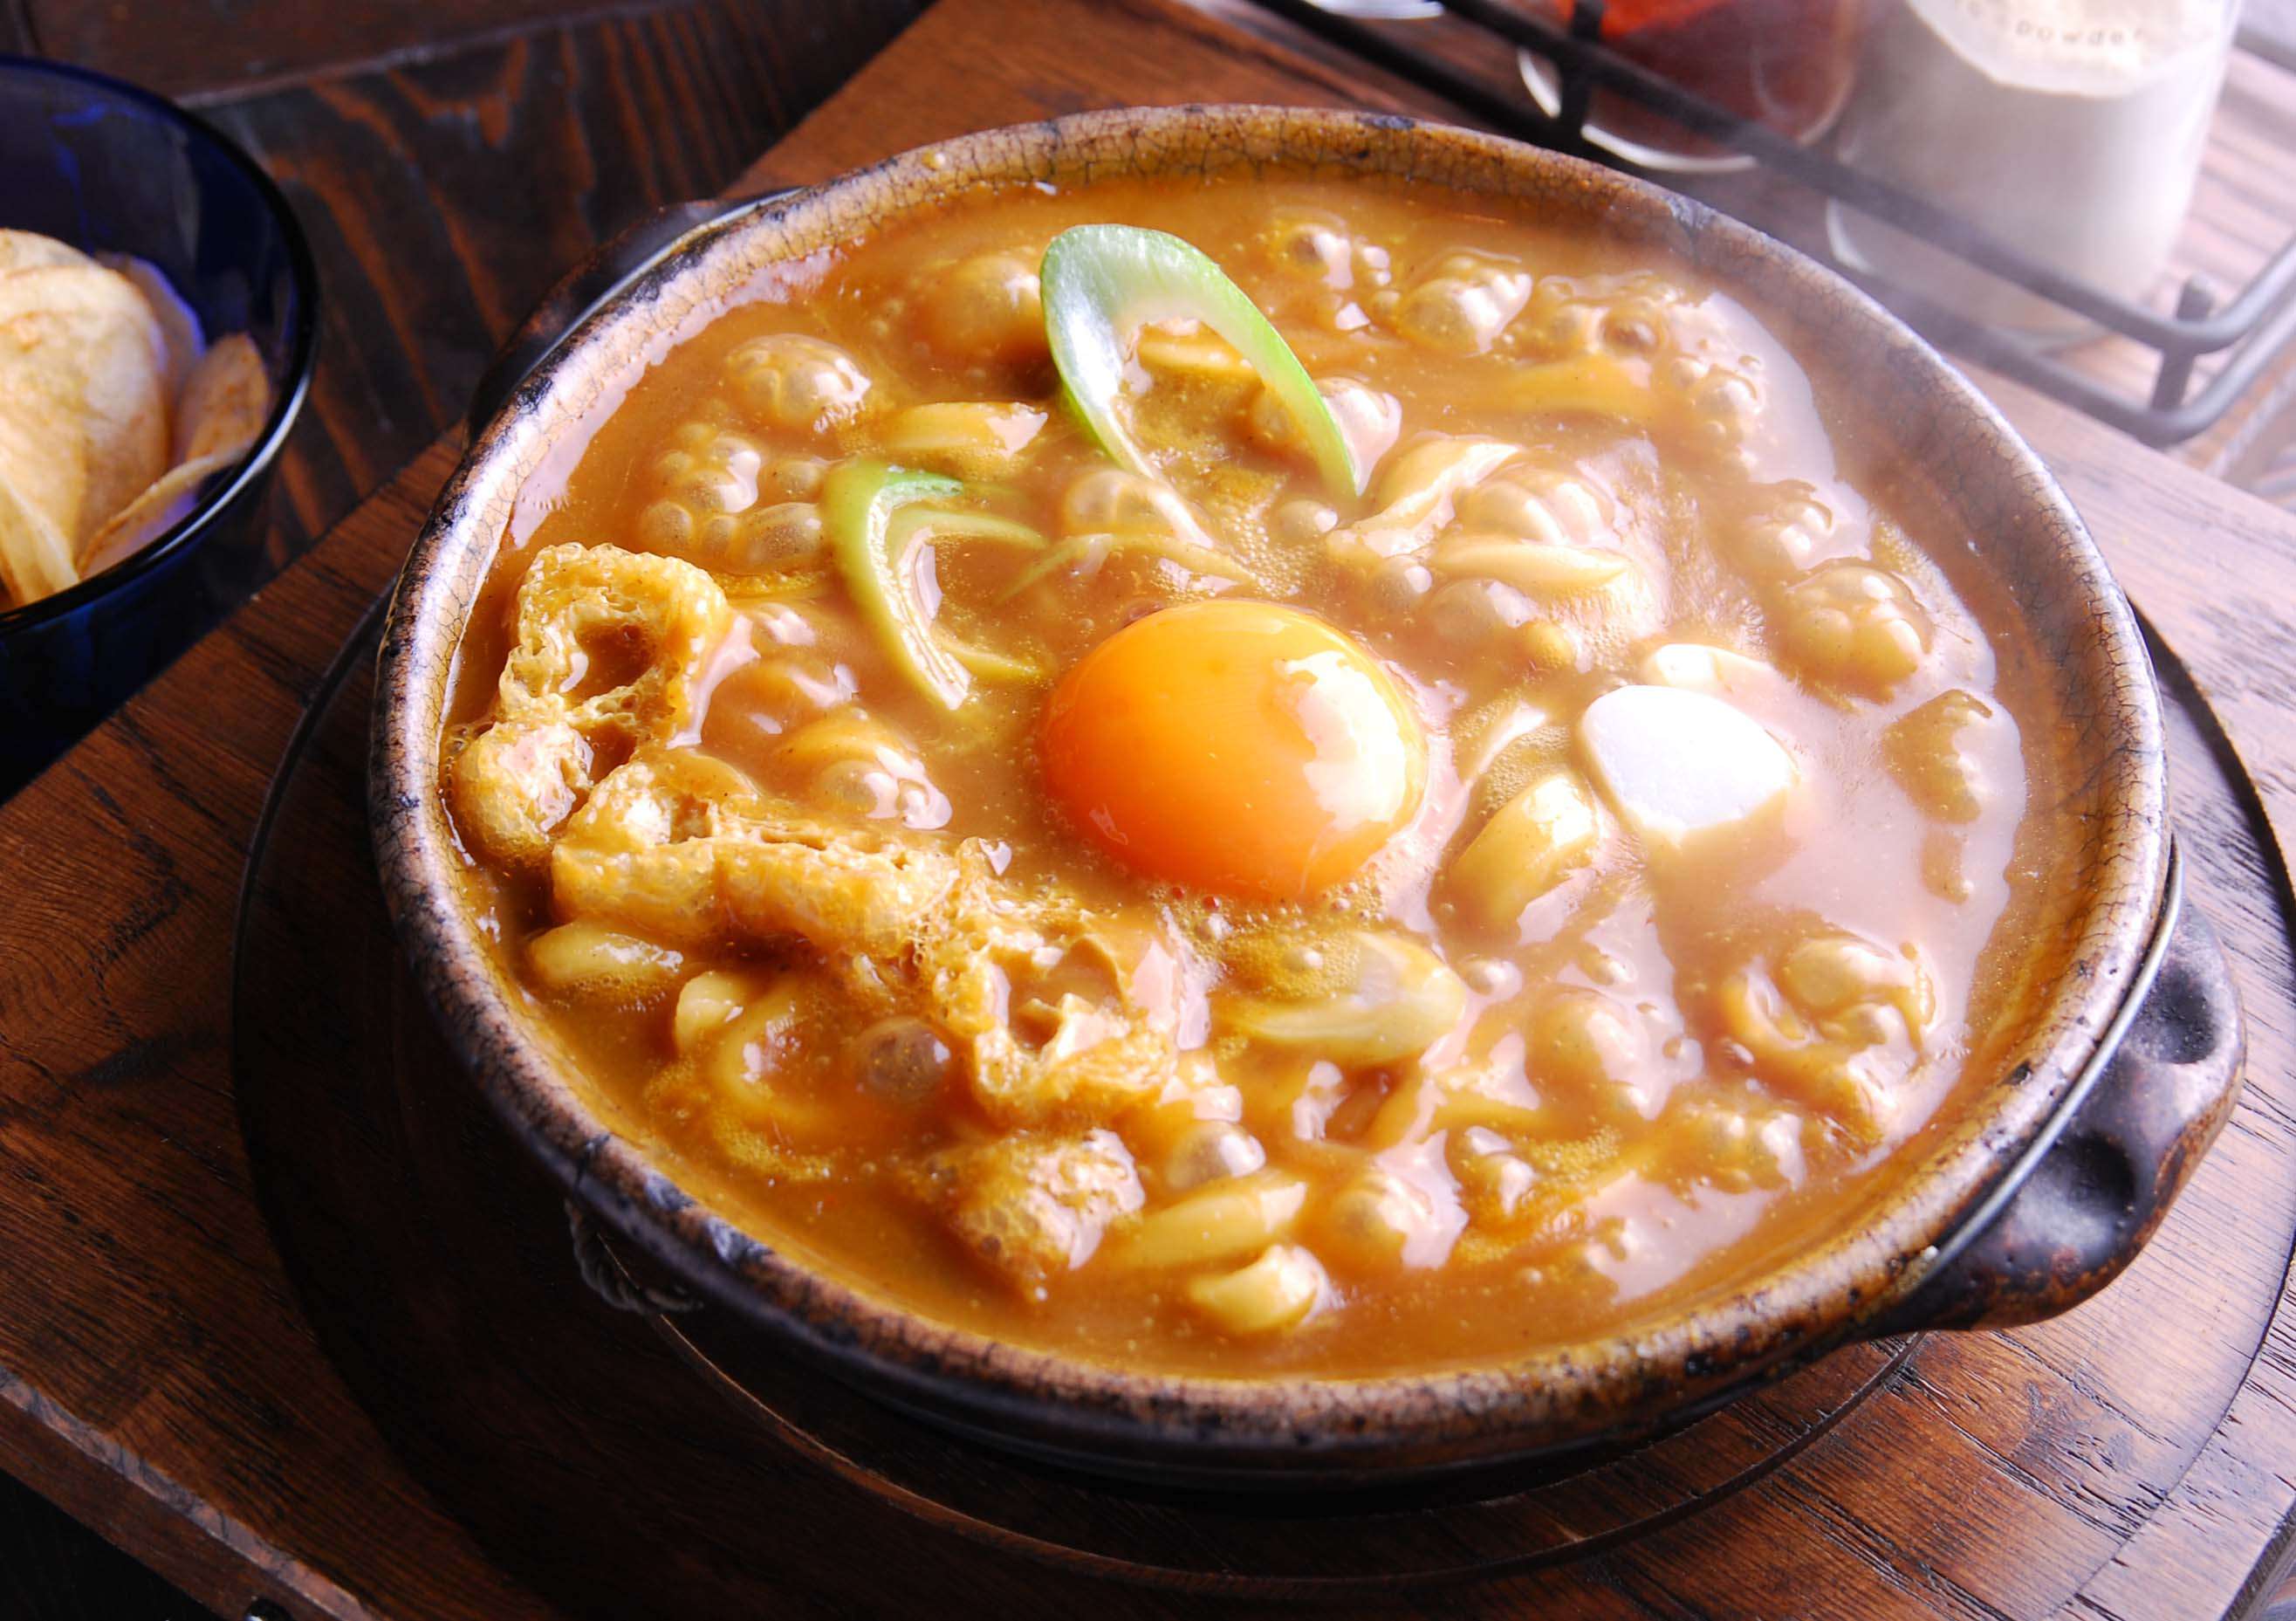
[
  {"x": 1932, "y": 754},
  {"x": 1212, "y": 1151},
  {"x": 1369, "y": 419},
  {"x": 1110, "y": 500},
  {"x": 1536, "y": 502},
  {"x": 1855, "y": 627},
  {"x": 858, "y": 764},
  {"x": 988, "y": 307},
  {"x": 1535, "y": 840},
  {"x": 1784, "y": 537},
  {"x": 1277, "y": 1291},
  {"x": 1417, "y": 495},
  {"x": 1463, "y": 304},
  {"x": 716, "y": 473},
  {"x": 1110, "y": 511},
  {"x": 588, "y": 959},
  {"x": 1736, "y": 1142},
  {"x": 902, "y": 1060},
  {"x": 1310, "y": 245},
  {"x": 1591, "y": 1045},
  {"x": 966, "y": 439},
  {"x": 1386, "y": 997},
  {"x": 1835, "y": 1022},
  {"x": 797, "y": 383},
  {"x": 761, "y": 539}
]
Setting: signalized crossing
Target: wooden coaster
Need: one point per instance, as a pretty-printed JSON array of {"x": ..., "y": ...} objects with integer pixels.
[
  {"x": 625, "y": 1469},
  {"x": 1288, "y": 1546}
]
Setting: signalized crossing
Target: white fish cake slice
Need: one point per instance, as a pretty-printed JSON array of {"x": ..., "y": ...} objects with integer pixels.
[{"x": 1678, "y": 766}]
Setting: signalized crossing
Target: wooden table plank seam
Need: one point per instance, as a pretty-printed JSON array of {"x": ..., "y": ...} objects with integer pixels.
[
  {"x": 418, "y": 54},
  {"x": 140, "y": 1475}
]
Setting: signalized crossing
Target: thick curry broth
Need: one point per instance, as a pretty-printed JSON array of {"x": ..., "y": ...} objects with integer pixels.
[{"x": 1410, "y": 1119}]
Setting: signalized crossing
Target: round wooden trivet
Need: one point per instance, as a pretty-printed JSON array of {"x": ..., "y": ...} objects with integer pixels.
[{"x": 635, "y": 1465}]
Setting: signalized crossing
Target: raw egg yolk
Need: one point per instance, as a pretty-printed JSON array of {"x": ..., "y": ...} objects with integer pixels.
[{"x": 1234, "y": 746}]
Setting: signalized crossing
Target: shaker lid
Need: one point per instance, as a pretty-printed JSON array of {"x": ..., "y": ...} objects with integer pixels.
[{"x": 2075, "y": 47}]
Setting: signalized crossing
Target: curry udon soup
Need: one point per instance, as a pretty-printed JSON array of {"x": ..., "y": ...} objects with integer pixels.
[{"x": 1371, "y": 796}]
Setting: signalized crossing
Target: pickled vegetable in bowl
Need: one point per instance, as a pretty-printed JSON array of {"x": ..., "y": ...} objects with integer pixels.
[{"x": 1253, "y": 777}]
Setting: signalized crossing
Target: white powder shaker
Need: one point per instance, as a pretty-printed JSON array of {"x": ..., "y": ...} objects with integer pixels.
[{"x": 2071, "y": 128}]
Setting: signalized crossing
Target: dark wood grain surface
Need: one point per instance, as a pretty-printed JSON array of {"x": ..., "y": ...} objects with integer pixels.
[
  {"x": 2034, "y": 1454},
  {"x": 53, "y": 1568},
  {"x": 446, "y": 187},
  {"x": 190, "y": 49},
  {"x": 444, "y": 195},
  {"x": 449, "y": 162},
  {"x": 159, "y": 1376},
  {"x": 398, "y": 1210}
]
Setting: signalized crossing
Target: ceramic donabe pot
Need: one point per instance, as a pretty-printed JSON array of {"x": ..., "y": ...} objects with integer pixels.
[{"x": 2036, "y": 1185}]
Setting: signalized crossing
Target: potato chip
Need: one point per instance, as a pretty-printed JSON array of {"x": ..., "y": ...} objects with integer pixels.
[
  {"x": 153, "y": 513},
  {"x": 36, "y": 561},
  {"x": 218, "y": 417},
  {"x": 179, "y": 321},
  {"x": 42, "y": 444},
  {"x": 113, "y": 411},
  {"x": 28, "y": 251},
  {"x": 223, "y": 404},
  {"x": 84, "y": 407}
]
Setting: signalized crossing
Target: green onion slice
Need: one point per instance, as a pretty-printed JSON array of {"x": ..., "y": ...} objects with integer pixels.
[
  {"x": 875, "y": 516},
  {"x": 1103, "y": 283}
]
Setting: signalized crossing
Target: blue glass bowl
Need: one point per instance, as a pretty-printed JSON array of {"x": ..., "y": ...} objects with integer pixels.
[{"x": 107, "y": 167}]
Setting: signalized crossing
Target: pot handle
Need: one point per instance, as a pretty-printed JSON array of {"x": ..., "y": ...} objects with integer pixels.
[
  {"x": 2072, "y": 1217},
  {"x": 613, "y": 266}
]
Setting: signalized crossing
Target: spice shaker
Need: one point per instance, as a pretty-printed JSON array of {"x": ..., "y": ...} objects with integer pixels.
[
  {"x": 1786, "y": 63},
  {"x": 2071, "y": 128}
]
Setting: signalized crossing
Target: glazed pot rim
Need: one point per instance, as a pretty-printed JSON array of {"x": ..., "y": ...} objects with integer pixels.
[{"x": 1814, "y": 1299}]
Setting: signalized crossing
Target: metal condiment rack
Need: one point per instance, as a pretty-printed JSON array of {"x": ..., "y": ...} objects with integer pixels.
[{"x": 2254, "y": 324}]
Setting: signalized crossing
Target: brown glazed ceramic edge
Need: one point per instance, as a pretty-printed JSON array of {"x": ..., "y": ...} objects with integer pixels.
[{"x": 1544, "y": 1400}]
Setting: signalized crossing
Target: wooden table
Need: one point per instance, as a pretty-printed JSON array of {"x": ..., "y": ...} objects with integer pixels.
[
  {"x": 158, "y": 1376},
  {"x": 449, "y": 163}
]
